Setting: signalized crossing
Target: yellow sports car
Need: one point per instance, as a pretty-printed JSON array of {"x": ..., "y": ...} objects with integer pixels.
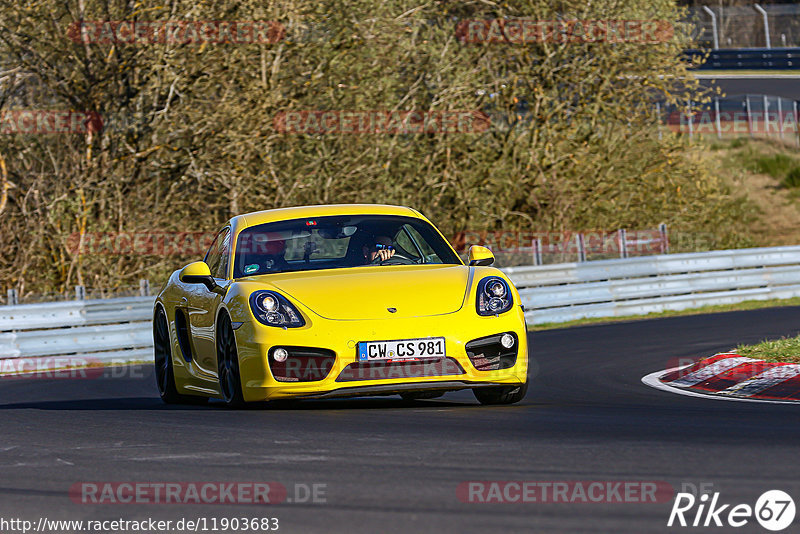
[{"x": 338, "y": 301}]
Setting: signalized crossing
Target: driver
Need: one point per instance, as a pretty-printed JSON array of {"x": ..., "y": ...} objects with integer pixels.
[{"x": 380, "y": 250}]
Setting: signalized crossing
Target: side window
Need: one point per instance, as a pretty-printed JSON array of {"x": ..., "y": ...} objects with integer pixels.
[
  {"x": 427, "y": 251},
  {"x": 219, "y": 253},
  {"x": 405, "y": 245}
]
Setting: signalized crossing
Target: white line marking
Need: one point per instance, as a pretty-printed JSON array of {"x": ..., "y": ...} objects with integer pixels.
[
  {"x": 653, "y": 381},
  {"x": 710, "y": 371},
  {"x": 195, "y": 456},
  {"x": 762, "y": 381}
]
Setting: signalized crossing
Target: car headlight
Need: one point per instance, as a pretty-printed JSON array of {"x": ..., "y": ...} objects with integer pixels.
[
  {"x": 494, "y": 296},
  {"x": 273, "y": 309}
]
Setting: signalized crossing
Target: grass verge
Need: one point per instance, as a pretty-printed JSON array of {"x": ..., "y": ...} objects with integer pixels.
[
  {"x": 786, "y": 350},
  {"x": 741, "y": 306}
]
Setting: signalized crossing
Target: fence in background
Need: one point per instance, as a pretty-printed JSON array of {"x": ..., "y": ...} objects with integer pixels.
[
  {"x": 513, "y": 248},
  {"x": 735, "y": 116},
  {"x": 768, "y": 26}
]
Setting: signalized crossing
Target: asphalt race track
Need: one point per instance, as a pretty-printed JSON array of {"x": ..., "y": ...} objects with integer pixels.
[
  {"x": 754, "y": 84},
  {"x": 394, "y": 466}
]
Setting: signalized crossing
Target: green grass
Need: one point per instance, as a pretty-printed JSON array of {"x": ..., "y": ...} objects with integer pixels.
[
  {"x": 786, "y": 350},
  {"x": 792, "y": 179},
  {"x": 719, "y": 308},
  {"x": 777, "y": 165},
  {"x": 761, "y": 158}
]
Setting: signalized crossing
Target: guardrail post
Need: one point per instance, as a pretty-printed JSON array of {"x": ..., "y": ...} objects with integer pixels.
[
  {"x": 623, "y": 243},
  {"x": 780, "y": 118},
  {"x": 581, "y": 247},
  {"x": 144, "y": 288},
  {"x": 691, "y": 120},
  {"x": 765, "y": 108},
  {"x": 80, "y": 293},
  {"x": 717, "y": 123},
  {"x": 714, "y": 33},
  {"x": 537, "y": 251},
  {"x": 12, "y": 297},
  {"x": 766, "y": 22},
  {"x": 796, "y": 125},
  {"x": 662, "y": 229},
  {"x": 749, "y": 118}
]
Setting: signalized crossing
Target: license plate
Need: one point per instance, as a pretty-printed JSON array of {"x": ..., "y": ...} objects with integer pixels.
[{"x": 401, "y": 349}]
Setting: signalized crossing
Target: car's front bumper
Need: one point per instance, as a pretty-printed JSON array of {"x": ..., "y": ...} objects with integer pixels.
[{"x": 255, "y": 340}]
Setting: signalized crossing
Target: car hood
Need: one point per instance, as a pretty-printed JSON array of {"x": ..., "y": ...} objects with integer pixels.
[{"x": 368, "y": 292}]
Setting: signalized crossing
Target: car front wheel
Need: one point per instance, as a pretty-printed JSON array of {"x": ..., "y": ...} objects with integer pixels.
[{"x": 230, "y": 383}]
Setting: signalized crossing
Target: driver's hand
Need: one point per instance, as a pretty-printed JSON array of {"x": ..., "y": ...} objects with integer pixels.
[{"x": 383, "y": 254}]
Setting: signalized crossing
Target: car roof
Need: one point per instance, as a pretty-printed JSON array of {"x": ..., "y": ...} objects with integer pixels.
[{"x": 303, "y": 212}]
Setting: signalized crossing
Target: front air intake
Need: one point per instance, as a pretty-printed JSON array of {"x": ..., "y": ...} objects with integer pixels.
[
  {"x": 489, "y": 354},
  {"x": 303, "y": 364}
]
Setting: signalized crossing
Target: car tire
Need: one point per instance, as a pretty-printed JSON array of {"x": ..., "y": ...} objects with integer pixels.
[
  {"x": 162, "y": 356},
  {"x": 501, "y": 394},
  {"x": 230, "y": 382}
]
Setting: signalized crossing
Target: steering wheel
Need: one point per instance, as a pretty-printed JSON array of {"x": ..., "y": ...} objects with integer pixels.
[{"x": 397, "y": 259}]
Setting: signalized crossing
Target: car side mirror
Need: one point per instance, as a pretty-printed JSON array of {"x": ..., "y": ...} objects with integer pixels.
[
  {"x": 481, "y": 256},
  {"x": 198, "y": 273}
]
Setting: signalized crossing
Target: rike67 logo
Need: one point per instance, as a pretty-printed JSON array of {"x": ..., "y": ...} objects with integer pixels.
[{"x": 774, "y": 510}]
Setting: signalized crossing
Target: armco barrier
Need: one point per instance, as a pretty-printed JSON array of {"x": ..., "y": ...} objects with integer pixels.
[
  {"x": 748, "y": 58},
  {"x": 120, "y": 329},
  {"x": 636, "y": 286},
  {"x": 105, "y": 330}
]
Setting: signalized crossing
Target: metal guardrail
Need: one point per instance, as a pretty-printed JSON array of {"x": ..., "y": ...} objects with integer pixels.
[
  {"x": 117, "y": 329},
  {"x": 637, "y": 286},
  {"x": 748, "y": 58},
  {"x": 75, "y": 313},
  {"x": 120, "y": 329}
]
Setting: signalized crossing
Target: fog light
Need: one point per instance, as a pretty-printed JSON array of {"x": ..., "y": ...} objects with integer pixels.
[
  {"x": 280, "y": 355},
  {"x": 507, "y": 341}
]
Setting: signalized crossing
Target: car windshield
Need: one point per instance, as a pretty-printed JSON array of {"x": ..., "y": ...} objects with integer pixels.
[{"x": 339, "y": 242}]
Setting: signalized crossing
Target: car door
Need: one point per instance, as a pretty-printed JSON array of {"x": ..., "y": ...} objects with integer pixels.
[{"x": 203, "y": 304}]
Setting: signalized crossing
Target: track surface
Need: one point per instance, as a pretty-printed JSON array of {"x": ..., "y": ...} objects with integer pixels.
[
  {"x": 392, "y": 466},
  {"x": 785, "y": 87}
]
